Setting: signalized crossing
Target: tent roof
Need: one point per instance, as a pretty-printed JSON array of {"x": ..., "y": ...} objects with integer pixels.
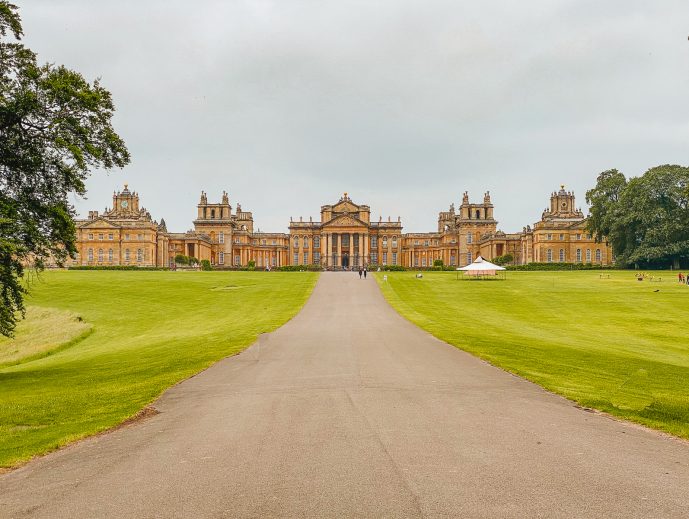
[{"x": 481, "y": 265}]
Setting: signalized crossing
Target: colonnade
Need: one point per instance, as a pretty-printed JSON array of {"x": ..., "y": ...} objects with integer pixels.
[{"x": 334, "y": 249}]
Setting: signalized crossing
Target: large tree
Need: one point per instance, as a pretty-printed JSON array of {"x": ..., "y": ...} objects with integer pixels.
[
  {"x": 645, "y": 219},
  {"x": 55, "y": 128}
]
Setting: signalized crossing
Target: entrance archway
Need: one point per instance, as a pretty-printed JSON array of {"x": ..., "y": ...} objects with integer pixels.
[{"x": 345, "y": 260}]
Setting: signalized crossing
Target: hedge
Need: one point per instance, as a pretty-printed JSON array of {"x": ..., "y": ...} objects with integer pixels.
[{"x": 113, "y": 267}]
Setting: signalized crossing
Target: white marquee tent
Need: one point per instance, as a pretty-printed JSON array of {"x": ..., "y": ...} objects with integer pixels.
[{"x": 481, "y": 268}]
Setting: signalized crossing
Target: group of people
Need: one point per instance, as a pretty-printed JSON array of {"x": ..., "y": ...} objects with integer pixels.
[
  {"x": 362, "y": 272},
  {"x": 683, "y": 279}
]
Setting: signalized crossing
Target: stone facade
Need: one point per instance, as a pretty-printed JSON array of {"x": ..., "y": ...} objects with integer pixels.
[{"x": 343, "y": 237}]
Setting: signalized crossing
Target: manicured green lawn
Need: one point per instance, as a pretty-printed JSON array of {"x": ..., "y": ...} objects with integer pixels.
[
  {"x": 149, "y": 331},
  {"x": 615, "y": 344}
]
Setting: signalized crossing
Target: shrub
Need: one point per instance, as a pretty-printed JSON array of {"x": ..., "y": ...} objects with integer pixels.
[
  {"x": 114, "y": 267},
  {"x": 438, "y": 263},
  {"x": 181, "y": 259},
  {"x": 561, "y": 266},
  {"x": 206, "y": 265},
  {"x": 503, "y": 260}
]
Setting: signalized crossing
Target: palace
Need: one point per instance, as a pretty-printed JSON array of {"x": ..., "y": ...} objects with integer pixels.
[{"x": 343, "y": 237}]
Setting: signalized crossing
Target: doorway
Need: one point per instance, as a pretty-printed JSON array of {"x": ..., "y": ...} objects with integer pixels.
[{"x": 345, "y": 260}]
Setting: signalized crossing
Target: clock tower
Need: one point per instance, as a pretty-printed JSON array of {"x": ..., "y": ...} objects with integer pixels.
[{"x": 125, "y": 202}]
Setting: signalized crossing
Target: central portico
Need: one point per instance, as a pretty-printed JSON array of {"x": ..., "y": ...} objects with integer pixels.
[{"x": 344, "y": 237}]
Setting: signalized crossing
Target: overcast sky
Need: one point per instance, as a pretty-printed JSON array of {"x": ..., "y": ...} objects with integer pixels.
[{"x": 404, "y": 104}]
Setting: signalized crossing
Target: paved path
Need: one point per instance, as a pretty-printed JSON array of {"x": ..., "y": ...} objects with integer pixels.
[{"x": 350, "y": 411}]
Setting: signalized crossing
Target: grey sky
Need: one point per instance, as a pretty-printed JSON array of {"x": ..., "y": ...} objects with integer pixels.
[{"x": 404, "y": 104}]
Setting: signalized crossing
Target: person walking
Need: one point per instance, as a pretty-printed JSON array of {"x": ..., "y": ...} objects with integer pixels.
[
  {"x": 365, "y": 270},
  {"x": 681, "y": 278},
  {"x": 361, "y": 271}
]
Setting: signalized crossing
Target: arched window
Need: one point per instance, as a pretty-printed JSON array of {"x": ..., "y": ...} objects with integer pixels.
[
  {"x": 306, "y": 243},
  {"x": 578, "y": 255},
  {"x": 598, "y": 256},
  {"x": 549, "y": 255},
  {"x": 394, "y": 244},
  {"x": 562, "y": 255},
  {"x": 316, "y": 242},
  {"x": 385, "y": 242},
  {"x": 296, "y": 243},
  {"x": 100, "y": 255},
  {"x": 588, "y": 255}
]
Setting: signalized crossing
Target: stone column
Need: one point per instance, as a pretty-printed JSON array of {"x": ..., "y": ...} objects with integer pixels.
[
  {"x": 338, "y": 259},
  {"x": 328, "y": 250},
  {"x": 366, "y": 238},
  {"x": 361, "y": 249}
]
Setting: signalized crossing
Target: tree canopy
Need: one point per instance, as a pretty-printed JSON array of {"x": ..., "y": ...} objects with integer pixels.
[
  {"x": 55, "y": 128},
  {"x": 645, "y": 219}
]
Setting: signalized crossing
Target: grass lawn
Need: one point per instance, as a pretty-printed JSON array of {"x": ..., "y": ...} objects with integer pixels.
[
  {"x": 99, "y": 346},
  {"x": 617, "y": 345}
]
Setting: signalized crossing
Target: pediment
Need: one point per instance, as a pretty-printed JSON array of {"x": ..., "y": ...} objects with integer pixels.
[
  {"x": 345, "y": 220},
  {"x": 99, "y": 223},
  {"x": 345, "y": 207}
]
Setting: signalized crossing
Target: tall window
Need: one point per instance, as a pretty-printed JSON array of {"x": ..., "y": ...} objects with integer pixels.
[
  {"x": 316, "y": 242},
  {"x": 416, "y": 260},
  {"x": 100, "y": 255},
  {"x": 296, "y": 258},
  {"x": 562, "y": 255},
  {"x": 549, "y": 255},
  {"x": 562, "y": 237},
  {"x": 90, "y": 254},
  {"x": 452, "y": 259},
  {"x": 110, "y": 255},
  {"x": 306, "y": 258},
  {"x": 578, "y": 255},
  {"x": 425, "y": 243},
  {"x": 316, "y": 257},
  {"x": 296, "y": 242},
  {"x": 394, "y": 244},
  {"x": 470, "y": 238},
  {"x": 588, "y": 255},
  {"x": 306, "y": 242},
  {"x": 469, "y": 257},
  {"x": 274, "y": 261},
  {"x": 549, "y": 236},
  {"x": 394, "y": 258},
  {"x": 212, "y": 213},
  {"x": 139, "y": 255},
  {"x": 423, "y": 261},
  {"x": 237, "y": 260},
  {"x": 385, "y": 242},
  {"x": 374, "y": 242},
  {"x": 374, "y": 258},
  {"x": 221, "y": 257},
  {"x": 598, "y": 256},
  {"x": 126, "y": 254},
  {"x": 385, "y": 258},
  {"x": 221, "y": 237}
]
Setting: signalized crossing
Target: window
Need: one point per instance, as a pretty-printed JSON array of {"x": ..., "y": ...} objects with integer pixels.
[
  {"x": 306, "y": 242},
  {"x": 598, "y": 256},
  {"x": 588, "y": 255},
  {"x": 237, "y": 240},
  {"x": 126, "y": 236},
  {"x": 111, "y": 236},
  {"x": 264, "y": 242},
  {"x": 100, "y": 236},
  {"x": 470, "y": 238},
  {"x": 140, "y": 237},
  {"x": 221, "y": 237},
  {"x": 385, "y": 258},
  {"x": 296, "y": 242},
  {"x": 90, "y": 254},
  {"x": 316, "y": 258},
  {"x": 296, "y": 259},
  {"x": 452, "y": 260},
  {"x": 237, "y": 260},
  {"x": 423, "y": 261},
  {"x": 549, "y": 236},
  {"x": 562, "y": 255},
  {"x": 385, "y": 242},
  {"x": 579, "y": 254},
  {"x": 478, "y": 214},
  {"x": 549, "y": 255},
  {"x": 90, "y": 236},
  {"x": 374, "y": 242},
  {"x": 316, "y": 242},
  {"x": 126, "y": 255},
  {"x": 394, "y": 258},
  {"x": 588, "y": 236},
  {"x": 416, "y": 260},
  {"x": 578, "y": 236},
  {"x": 425, "y": 243},
  {"x": 100, "y": 255},
  {"x": 562, "y": 237},
  {"x": 139, "y": 255},
  {"x": 274, "y": 261},
  {"x": 212, "y": 213},
  {"x": 394, "y": 244},
  {"x": 110, "y": 255},
  {"x": 221, "y": 258},
  {"x": 374, "y": 258},
  {"x": 275, "y": 242}
]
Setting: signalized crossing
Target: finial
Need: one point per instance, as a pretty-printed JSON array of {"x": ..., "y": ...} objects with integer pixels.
[
  {"x": 562, "y": 186},
  {"x": 345, "y": 194}
]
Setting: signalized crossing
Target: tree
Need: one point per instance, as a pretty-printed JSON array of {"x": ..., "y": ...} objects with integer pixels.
[
  {"x": 55, "y": 128},
  {"x": 645, "y": 219}
]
